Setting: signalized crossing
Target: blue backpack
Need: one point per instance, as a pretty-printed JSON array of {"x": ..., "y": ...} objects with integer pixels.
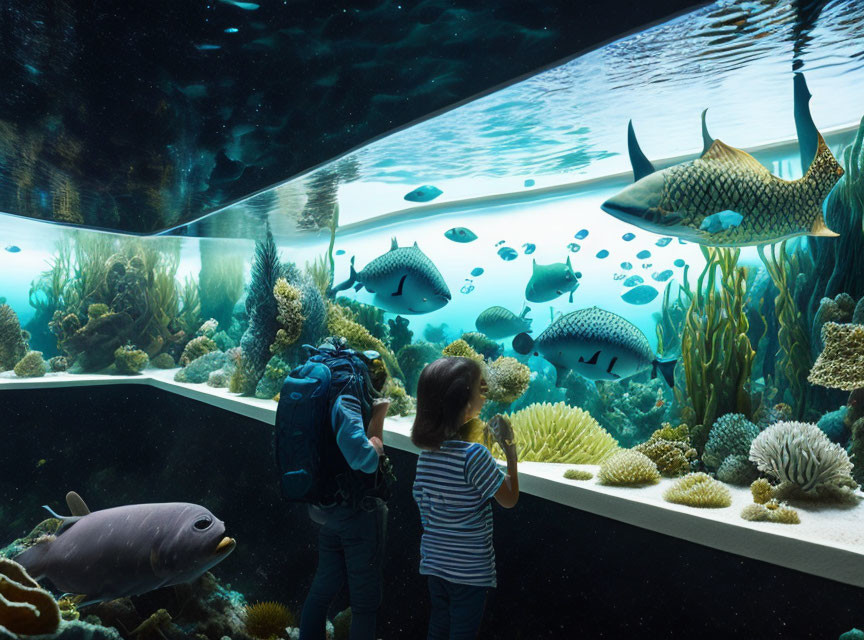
[{"x": 307, "y": 455}]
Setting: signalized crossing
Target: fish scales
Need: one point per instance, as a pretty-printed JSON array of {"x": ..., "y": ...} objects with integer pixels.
[
  {"x": 407, "y": 259},
  {"x": 598, "y": 325}
]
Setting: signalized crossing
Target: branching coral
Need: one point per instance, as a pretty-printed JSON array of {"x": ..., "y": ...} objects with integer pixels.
[
  {"x": 559, "y": 433},
  {"x": 578, "y": 474},
  {"x": 715, "y": 349},
  {"x": 340, "y": 323},
  {"x": 13, "y": 347},
  {"x": 771, "y": 511},
  {"x": 800, "y": 454},
  {"x": 699, "y": 490},
  {"x": 31, "y": 366},
  {"x": 841, "y": 363},
  {"x": 130, "y": 360},
  {"x": 25, "y": 608},
  {"x": 289, "y": 316},
  {"x": 196, "y": 348},
  {"x": 508, "y": 379},
  {"x": 628, "y": 468},
  {"x": 669, "y": 448}
]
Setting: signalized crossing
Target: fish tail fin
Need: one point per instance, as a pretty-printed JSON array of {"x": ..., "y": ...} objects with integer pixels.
[
  {"x": 525, "y": 312},
  {"x": 352, "y": 278},
  {"x": 523, "y": 343},
  {"x": 666, "y": 369}
]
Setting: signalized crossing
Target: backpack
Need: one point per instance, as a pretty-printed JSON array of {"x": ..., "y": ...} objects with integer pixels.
[{"x": 311, "y": 466}]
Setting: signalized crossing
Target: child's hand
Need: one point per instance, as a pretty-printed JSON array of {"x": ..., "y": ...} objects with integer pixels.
[
  {"x": 502, "y": 431},
  {"x": 377, "y": 445}
]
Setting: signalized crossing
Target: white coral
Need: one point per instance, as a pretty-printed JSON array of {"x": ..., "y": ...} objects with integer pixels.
[{"x": 801, "y": 454}]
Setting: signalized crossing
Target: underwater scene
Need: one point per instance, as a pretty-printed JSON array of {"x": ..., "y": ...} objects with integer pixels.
[{"x": 655, "y": 253}]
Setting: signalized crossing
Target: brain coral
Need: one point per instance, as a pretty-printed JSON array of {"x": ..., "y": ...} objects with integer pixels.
[
  {"x": 800, "y": 454},
  {"x": 628, "y": 468},
  {"x": 841, "y": 363},
  {"x": 25, "y": 608},
  {"x": 699, "y": 490},
  {"x": 560, "y": 433}
]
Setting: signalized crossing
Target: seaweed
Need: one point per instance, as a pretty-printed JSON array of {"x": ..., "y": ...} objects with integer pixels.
[{"x": 220, "y": 283}]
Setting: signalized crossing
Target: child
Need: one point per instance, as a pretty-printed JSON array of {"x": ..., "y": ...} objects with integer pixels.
[{"x": 455, "y": 480}]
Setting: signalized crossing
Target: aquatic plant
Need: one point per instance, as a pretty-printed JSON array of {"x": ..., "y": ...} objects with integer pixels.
[
  {"x": 401, "y": 404},
  {"x": 771, "y": 511},
  {"x": 275, "y": 372},
  {"x": 731, "y": 435},
  {"x": 189, "y": 316},
  {"x": 220, "y": 283},
  {"x": 196, "y": 348},
  {"x": 130, "y": 360},
  {"x": 31, "y": 366},
  {"x": 628, "y": 468},
  {"x": 163, "y": 361},
  {"x": 761, "y": 490},
  {"x": 559, "y": 433},
  {"x": 794, "y": 362},
  {"x": 368, "y": 316},
  {"x": 320, "y": 273},
  {"x": 483, "y": 345},
  {"x": 400, "y": 334},
  {"x": 670, "y": 320},
  {"x": 800, "y": 454},
  {"x": 412, "y": 358},
  {"x": 699, "y": 490},
  {"x": 13, "y": 346},
  {"x": 198, "y": 371},
  {"x": 669, "y": 448},
  {"x": 265, "y": 620},
  {"x": 340, "y": 323},
  {"x": 48, "y": 294},
  {"x": 25, "y": 608},
  {"x": 507, "y": 379},
  {"x": 715, "y": 349},
  {"x": 578, "y": 474},
  {"x": 841, "y": 363},
  {"x": 289, "y": 316}
]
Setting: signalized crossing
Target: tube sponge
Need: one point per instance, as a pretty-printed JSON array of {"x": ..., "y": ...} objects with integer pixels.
[
  {"x": 628, "y": 468},
  {"x": 559, "y": 433},
  {"x": 699, "y": 490},
  {"x": 800, "y": 454},
  {"x": 841, "y": 363},
  {"x": 508, "y": 379}
]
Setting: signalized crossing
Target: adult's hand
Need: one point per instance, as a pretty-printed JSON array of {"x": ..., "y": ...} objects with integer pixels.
[{"x": 377, "y": 444}]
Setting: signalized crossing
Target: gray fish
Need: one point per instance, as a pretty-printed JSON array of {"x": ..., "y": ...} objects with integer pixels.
[
  {"x": 498, "y": 322},
  {"x": 597, "y": 344},
  {"x": 128, "y": 550},
  {"x": 403, "y": 280},
  {"x": 548, "y": 281}
]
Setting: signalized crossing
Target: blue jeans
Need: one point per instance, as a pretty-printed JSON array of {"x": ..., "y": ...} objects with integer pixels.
[
  {"x": 350, "y": 545},
  {"x": 457, "y": 609}
]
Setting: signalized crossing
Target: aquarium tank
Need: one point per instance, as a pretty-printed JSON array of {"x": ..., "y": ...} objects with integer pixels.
[{"x": 653, "y": 248}]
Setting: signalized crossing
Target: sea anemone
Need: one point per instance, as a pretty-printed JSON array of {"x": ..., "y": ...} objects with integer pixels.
[{"x": 267, "y": 619}]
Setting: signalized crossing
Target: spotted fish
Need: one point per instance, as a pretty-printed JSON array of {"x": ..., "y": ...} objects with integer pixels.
[
  {"x": 498, "y": 322},
  {"x": 596, "y": 344},
  {"x": 678, "y": 200},
  {"x": 403, "y": 280}
]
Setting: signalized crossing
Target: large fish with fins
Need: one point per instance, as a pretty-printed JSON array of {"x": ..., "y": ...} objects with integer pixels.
[
  {"x": 726, "y": 197},
  {"x": 497, "y": 322},
  {"x": 403, "y": 280},
  {"x": 596, "y": 344}
]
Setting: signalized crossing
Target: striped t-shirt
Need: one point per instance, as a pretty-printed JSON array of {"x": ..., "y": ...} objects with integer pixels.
[{"x": 452, "y": 489}]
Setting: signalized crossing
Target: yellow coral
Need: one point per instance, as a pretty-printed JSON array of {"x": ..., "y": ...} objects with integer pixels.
[
  {"x": 669, "y": 448},
  {"x": 699, "y": 490},
  {"x": 761, "y": 490},
  {"x": 196, "y": 348},
  {"x": 340, "y": 323},
  {"x": 841, "y": 363},
  {"x": 31, "y": 366},
  {"x": 628, "y": 468},
  {"x": 460, "y": 348},
  {"x": 578, "y": 474},
  {"x": 25, "y": 608},
  {"x": 508, "y": 379},
  {"x": 267, "y": 619},
  {"x": 559, "y": 433},
  {"x": 289, "y": 316},
  {"x": 763, "y": 513}
]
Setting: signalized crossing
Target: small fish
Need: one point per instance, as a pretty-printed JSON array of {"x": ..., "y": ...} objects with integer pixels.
[
  {"x": 619, "y": 276},
  {"x": 340, "y": 252},
  {"x": 647, "y": 265},
  {"x": 662, "y": 242},
  {"x": 477, "y": 271},
  {"x": 529, "y": 182},
  {"x": 627, "y": 237},
  {"x": 13, "y": 248},
  {"x": 507, "y": 254},
  {"x": 548, "y": 281},
  {"x": 231, "y": 30},
  {"x": 603, "y": 253},
  {"x": 574, "y": 247},
  {"x": 423, "y": 194},
  {"x": 208, "y": 47},
  {"x": 643, "y": 294},
  {"x": 246, "y": 6},
  {"x": 596, "y": 344},
  {"x": 644, "y": 254},
  {"x": 626, "y": 266},
  {"x": 529, "y": 248},
  {"x": 466, "y": 289},
  {"x": 462, "y": 235},
  {"x": 41, "y": 463},
  {"x": 679, "y": 263},
  {"x": 632, "y": 281},
  {"x": 663, "y": 276},
  {"x": 581, "y": 234},
  {"x": 497, "y": 322},
  {"x": 500, "y": 242}
]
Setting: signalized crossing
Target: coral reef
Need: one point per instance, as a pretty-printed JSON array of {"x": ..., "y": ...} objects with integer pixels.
[
  {"x": 275, "y": 372},
  {"x": 761, "y": 490},
  {"x": 289, "y": 316},
  {"x": 800, "y": 454},
  {"x": 199, "y": 370},
  {"x": 699, "y": 490},
  {"x": 412, "y": 358},
  {"x": 840, "y": 309},
  {"x": 841, "y": 363},
  {"x": 731, "y": 435},
  {"x": 25, "y": 608},
  {"x": 669, "y": 448},
  {"x": 341, "y": 323},
  {"x": 715, "y": 349},
  {"x": 578, "y": 474},
  {"x": 401, "y": 404},
  {"x": 461, "y": 349},
  {"x": 31, "y": 366},
  {"x": 482, "y": 344},
  {"x": 507, "y": 379},
  {"x": 631, "y": 410},
  {"x": 833, "y": 425},
  {"x": 737, "y": 469},
  {"x": 312, "y": 304},
  {"x": 771, "y": 511},
  {"x": 400, "y": 334},
  {"x": 58, "y": 363},
  {"x": 368, "y": 316},
  {"x": 858, "y": 313},
  {"x": 559, "y": 433},
  {"x": 196, "y": 348},
  {"x": 128, "y": 360},
  {"x": 163, "y": 361},
  {"x": 93, "y": 345},
  {"x": 208, "y": 328},
  {"x": 13, "y": 346},
  {"x": 267, "y": 619},
  {"x": 628, "y": 468}
]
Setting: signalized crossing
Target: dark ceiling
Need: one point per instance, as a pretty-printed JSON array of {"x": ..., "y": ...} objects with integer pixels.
[{"x": 139, "y": 115}]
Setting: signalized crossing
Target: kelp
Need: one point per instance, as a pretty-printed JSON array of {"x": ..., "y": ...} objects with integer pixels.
[
  {"x": 715, "y": 349},
  {"x": 794, "y": 357},
  {"x": 220, "y": 282},
  {"x": 670, "y": 320}
]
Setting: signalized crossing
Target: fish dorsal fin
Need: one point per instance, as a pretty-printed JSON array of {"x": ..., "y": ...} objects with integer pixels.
[
  {"x": 393, "y": 243},
  {"x": 415, "y": 245},
  {"x": 76, "y": 504},
  {"x": 721, "y": 152},
  {"x": 65, "y": 521},
  {"x": 707, "y": 140},
  {"x": 525, "y": 311},
  {"x": 569, "y": 266},
  {"x": 641, "y": 164},
  {"x": 534, "y": 265}
]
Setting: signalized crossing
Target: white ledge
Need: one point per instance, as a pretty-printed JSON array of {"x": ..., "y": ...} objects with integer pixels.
[{"x": 828, "y": 543}]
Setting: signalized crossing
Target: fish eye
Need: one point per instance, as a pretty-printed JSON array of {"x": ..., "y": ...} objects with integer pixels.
[{"x": 203, "y": 523}]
